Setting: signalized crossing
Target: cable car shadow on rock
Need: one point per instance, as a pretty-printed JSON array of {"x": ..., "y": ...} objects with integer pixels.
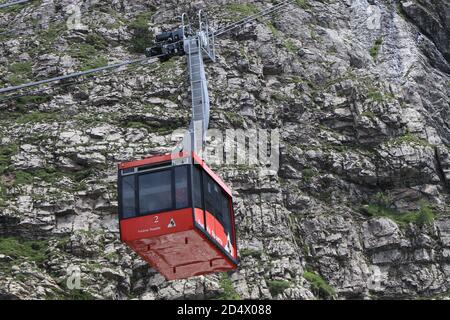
[{"x": 177, "y": 215}]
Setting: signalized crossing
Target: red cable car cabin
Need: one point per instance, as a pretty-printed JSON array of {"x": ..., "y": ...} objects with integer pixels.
[{"x": 179, "y": 218}]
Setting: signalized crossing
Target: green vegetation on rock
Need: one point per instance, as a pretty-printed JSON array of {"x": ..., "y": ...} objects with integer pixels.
[
  {"x": 426, "y": 215},
  {"x": 302, "y": 4},
  {"x": 20, "y": 67},
  {"x": 6, "y": 152},
  {"x": 375, "y": 49},
  {"x": 49, "y": 36},
  {"x": 236, "y": 120},
  {"x": 276, "y": 33},
  {"x": 142, "y": 36},
  {"x": 37, "y": 116},
  {"x": 20, "y": 72},
  {"x": 228, "y": 291},
  {"x": 319, "y": 286},
  {"x": 88, "y": 56},
  {"x": 410, "y": 139},
  {"x": 26, "y": 101},
  {"x": 287, "y": 43},
  {"x": 277, "y": 287},
  {"x": 368, "y": 114},
  {"x": 52, "y": 176},
  {"x": 97, "y": 41},
  {"x": 250, "y": 253},
  {"x": 96, "y": 62},
  {"x": 382, "y": 207},
  {"x": 242, "y": 9},
  {"x": 290, "y": 46},
  {"x": 308, "y": 174},
  {"x": 375, "y": 95},
  {"x": 73, "y": 294},
  {"x": 78, "y": 294},
  {"x": 24, "y": 250}
]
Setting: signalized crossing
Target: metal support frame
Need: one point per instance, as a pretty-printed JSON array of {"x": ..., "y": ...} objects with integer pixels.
[{"x": 198, "y": 47}]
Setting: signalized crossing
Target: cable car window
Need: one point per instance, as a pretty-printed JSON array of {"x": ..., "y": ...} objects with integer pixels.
[
  {"x": 126, "y": 171},
  {"x": 218, "y": 204},
  {"x": 128, "y": 197},
  {"x": 198, "y": 202},
  {"x": 226, "y": 215},
  {"x": 155, "y": 192},
  {"x": 212, "y": 201},
  {"x": 181, "y": 188}
]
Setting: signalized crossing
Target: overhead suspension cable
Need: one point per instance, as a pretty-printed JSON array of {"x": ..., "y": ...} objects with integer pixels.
[
  {"x": 252, "y": 18},
  {"x": 13, "y": 3},
  {"x": 76, "y": 74},
  {"x": 39, "y": 91},
  {"x": 74, "y": 81}
]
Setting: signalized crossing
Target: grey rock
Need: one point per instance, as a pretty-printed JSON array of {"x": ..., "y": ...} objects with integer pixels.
[{"x": 356, "y": 118}]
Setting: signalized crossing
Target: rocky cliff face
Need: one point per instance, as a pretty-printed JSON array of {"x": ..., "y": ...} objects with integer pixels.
[{"x": 359, "y": 90}]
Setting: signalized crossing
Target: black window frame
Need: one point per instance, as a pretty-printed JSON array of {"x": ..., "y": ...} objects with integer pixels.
[
  {"x": 149, "y": 170},
  {"x": 199, "y": 188},
  {"x": 188, "y": 187},
  {"x": 120, "y": 194}
]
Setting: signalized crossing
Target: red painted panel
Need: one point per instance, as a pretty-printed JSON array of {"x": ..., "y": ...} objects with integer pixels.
[
  {"x": 152, "y": 160},
  {"x": 182, "y": 255},
  {"x": 233, "y": 226},
  {"x": 217, "y": 232},
  {"x": 200, "y": 217},
  {"x": 200, "y": 268},
  {"x": 176, "y": 249},
  {"x": 219, "y": 252},
  {"x": 156, "y": 224}
]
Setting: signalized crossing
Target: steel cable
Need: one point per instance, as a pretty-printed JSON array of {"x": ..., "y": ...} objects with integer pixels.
[
  {"x": 76, "y": 74},
  {"x": 13, "y": 3}
]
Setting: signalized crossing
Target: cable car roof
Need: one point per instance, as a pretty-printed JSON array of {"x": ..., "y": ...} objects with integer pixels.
[{"x": 151, "y": 160}]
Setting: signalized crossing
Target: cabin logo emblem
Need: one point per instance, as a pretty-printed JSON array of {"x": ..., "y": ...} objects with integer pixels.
[{"x": 171, "y": 224}]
